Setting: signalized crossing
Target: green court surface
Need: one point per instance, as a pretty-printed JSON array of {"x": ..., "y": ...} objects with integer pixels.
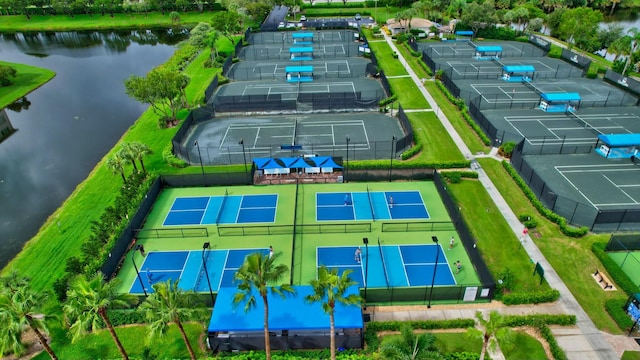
[
  {"x": 300, "y": 253},
  {"x": 629, "y": 262}
]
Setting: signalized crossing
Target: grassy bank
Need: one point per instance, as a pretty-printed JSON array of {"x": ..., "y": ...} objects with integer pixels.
[
  {"x": 15, "y": 23},
  {"x": 28, "y": 79}
]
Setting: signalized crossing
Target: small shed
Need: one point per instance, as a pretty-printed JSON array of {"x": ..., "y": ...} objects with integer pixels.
[
  {"x": 618, "y": 146},
  {"x": 560, "y": 101},
  {"x": 517, "y": 73}
]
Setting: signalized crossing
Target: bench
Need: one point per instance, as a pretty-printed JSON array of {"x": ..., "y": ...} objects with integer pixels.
[{"x": 603, "y": 281}]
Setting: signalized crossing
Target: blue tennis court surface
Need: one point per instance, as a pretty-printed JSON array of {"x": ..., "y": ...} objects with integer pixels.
[
  {"x": 390, "y": 265},
  {"x": 374, "y": 205},
  {"x": 232, "y": 209},
  {"x": 187, "y": 266}
]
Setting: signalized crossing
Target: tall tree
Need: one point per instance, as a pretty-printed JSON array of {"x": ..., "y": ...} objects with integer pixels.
[
  {"x": 579, "y": 27},
  {"x": 116, "y": 164},
  {"x": 257, "y": 274},
  {"x": 410, "y": 346},
  {"x": 21, "y": 308},
  {"x": 330, "y": 289},
  {"x": 139, "y": 151},
  {"x": 169, "y": 304},
  {"x": 126, "y": 152},
  {"x": 479, "y": 15},
  {"x": 88, "y": 300},
  {"x": 487, "y": 329},
  {"x": 227, "y": 22},
  {"x": 7, "y": 74}
]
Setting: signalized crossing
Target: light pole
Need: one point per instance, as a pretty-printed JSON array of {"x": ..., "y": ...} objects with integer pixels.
[
  {"x": 365, "y": 241},
  {"x": 393, "y": 140},
  {"x": 133, "y": 260},
  {"x": 433, "y": 280},
  {"x": 346, "y": 165},
  {"x": 200, "y": 157},
  {"x": 205, "y": 246},
  {"x": 244, "y": 156}
]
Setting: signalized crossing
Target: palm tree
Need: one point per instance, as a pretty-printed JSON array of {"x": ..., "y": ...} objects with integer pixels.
[
  {"x": 257, "y": 272},
  {"x": 126, "y": 152},
  {"x": 20, "y": 307},
  {"x": 329, "y": 289},
  {"x": 139, "y": 151},
  {"x": 410, "y": 346},
  {"x": 210, "y": 41},
  {"x": 116, "y": 165},
  {"x": 488, "y": 330},
  {"x": 88, "y": 300},
  {"x": 170, "y": 304}
]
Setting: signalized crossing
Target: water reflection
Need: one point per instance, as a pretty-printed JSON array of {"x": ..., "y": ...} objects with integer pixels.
[{"x": 67, "y": 125}]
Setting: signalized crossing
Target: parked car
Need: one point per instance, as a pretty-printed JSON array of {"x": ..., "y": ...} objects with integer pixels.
[
  {"x": 358, "y": 17},
  {"x": 303, "y": 18}
]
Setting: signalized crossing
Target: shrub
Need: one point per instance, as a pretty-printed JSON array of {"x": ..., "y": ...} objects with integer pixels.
[
  {"x": 531, "y": 224},
  {"x": 537, "y": 319},
  {"x": 505, "y": 282},
  {"x": 507, "y": 148},
  {"x": 416, "y": 149},
  {"x": 461, "y": 105},
  {"x": 171, "y": 159},
  {"x": 531, "y": 298}
]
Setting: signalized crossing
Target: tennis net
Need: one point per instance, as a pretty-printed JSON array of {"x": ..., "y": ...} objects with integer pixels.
[
  {"x": 373, "y": 214},
  {"x": 224, "y": 200},
  {"x": 496, "y": 60},
  {"x": 582, "y": 121},
  {"x": 384, "y": 266},
  {"x": 473, "y": 44},
  {"x": 528, "y": 84}
]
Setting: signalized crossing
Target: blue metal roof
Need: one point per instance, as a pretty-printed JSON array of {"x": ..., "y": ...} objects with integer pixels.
[
  {"x": 561, "y": 96},
  {"x": 465, "y": 32},
  {"x": 306, "y": 49},
  {"x": 620, "y": 139},
  {"x": 325, "y": 161},
  {"x": 302, "y": 35},
  {"x": 518, "y": 68},
  {"x": 290, "y": 313},
  {"x": 266, "y": 163},
  {"x": 305, "y": 68},
  {"x": 489, "y": 48}
]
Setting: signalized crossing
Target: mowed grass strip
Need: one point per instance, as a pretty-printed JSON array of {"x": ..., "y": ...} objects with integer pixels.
[
  {"x": 499, "y": 246},
  {"x": 571, "y": 258},
  {"x": 28, "y": 78},
  {"x": 384, "y": 55},
  {"x": 412, "y": 61},
  {"x": 409, "y": 95},
  {"x": 437, "y": 145},
  {"x": 13, "y": 23}
]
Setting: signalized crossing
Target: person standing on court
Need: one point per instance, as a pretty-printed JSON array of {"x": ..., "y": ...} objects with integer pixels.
[
  {"x": 346, "y": 199},
  {"x": 391, "y": 202},
  {"x": 270, "y": 252},
  {"x": 458, "y": 267},
  {"x": 451, "y": 243},
  {"x": 358, "y": 255},
  {"x": 149, "y": 277}
]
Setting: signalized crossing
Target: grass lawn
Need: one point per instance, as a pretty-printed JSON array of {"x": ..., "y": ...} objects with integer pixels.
[
  {"x": 455, "y": 117},
  {"x": 437, "y": 145},
  {"x": 498, "y": 245},
  {"x": 28, "y": 79},
  {"x": 448, "y": 342},
  {"x": 408, "y": 93},
  {"x": 520, "y": 345},
  {"x": 571, "y": 258},
  {"x": 631, "y": 355},
  {"x": 13, "y": 23},
  {"x": 135, "y": 340},
  {"x": 384, "y": 55},
  {"x": 412, "y": 61}
]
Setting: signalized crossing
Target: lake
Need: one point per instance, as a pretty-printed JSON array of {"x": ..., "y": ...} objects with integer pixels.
[{"x": 71, "y": 122}]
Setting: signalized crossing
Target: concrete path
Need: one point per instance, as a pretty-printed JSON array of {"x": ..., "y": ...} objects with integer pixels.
[{"x": 585, "y": 342}]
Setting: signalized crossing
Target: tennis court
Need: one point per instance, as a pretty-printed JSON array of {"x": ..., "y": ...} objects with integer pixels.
[
  {"x": 188, "y": 267},
  {"x": 222, "y": 210},
  {"x": 267, "y": 70},
  {"x": 629, "y": 262},
  {"x": 468, "y": 49},
  {"x": 291, "y": 37},
  {"x": 310, "y": 51},
  {"x": 390, "y": 265},
  {"x": 494, "y": 67},
  {"x": 218, "y": 140},
  {"x": 370, "y": 205}
]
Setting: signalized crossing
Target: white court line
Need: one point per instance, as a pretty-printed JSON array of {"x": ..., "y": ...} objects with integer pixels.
[
  {"x": 574, "y": 186},
  {"x": 599, "y": 170},
  {"x": 255, "y": 141},
  {"x": 224, "y": 267},
  {"x": 224, "y": 137},
  {"x": 589, "y": 166},
  {"x": 404, "y": 266},
  {"x": 622, "y": 191}
]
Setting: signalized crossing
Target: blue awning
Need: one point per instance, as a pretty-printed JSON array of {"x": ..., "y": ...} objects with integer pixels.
[
  {"x": 620, "y": 140},
  {"x": 266, "y": 163},
  {"x": 302, "y": 35},
  {"x": 561, "y": 96},
  {"x": 296, "y": 50},
  {"x": 518, "y": 68},
  {"x": 489, "y": 48},
  {"x": 305, "y": 69},
  {"x": 290, "y": 313},
  {"x": 325, "y": 162},
  {"x": 465, "y": 32}
]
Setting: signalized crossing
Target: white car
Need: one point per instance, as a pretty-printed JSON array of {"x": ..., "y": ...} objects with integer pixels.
[
  {"x": 303, "y": 18},
  {"x": 281, "y": 25}
]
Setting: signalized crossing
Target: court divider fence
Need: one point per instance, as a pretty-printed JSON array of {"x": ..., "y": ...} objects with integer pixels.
[
  {"x": 623, "y": 82},
  {"x": 407, "y": 140},
  {"x": 470, "y": 72},
  {"x": 576, "y": 212},
  {"x": 623, "y": 242},
  {"x": 257, "y": 52},
  {"x": 540, "y": 42},
  {"x": 286, "y": 38},
  {"x": 578, "y": 60},
  {"x": 248, "y": 230},
  {"x": 431, "y": 53},
  {"x": 158, "y": 233},
  {"x": 418, "y": 226}
]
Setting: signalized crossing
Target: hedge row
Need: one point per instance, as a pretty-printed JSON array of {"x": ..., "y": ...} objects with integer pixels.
[
  {"x": 617, "y": 275},
  {"x": 419, "y": 61},
  {"x": 171, "y": 158},
  {"x": 562, "y": 222},
  {"x": 531, "y": 297},
  {"x": 540, "y": 321},
  {"x": 384, "y": 165},
  {"x": 615, "y": 309},
  {"x": 295, "y": 355},
  {"x": 556, "y": 350},
  {"x": 465, "y": 114}
]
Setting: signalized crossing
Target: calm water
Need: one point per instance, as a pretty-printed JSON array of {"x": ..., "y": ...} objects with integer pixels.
[{"x": 72, "y": 121}]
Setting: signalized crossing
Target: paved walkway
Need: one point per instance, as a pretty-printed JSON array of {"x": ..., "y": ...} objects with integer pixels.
[{"x": 585, "y": 342}]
